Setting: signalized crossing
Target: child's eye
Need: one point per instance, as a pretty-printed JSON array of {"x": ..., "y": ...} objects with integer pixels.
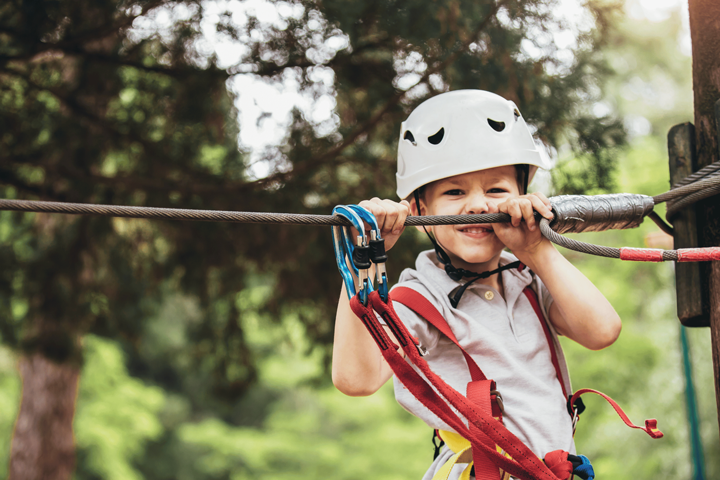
[
  {"x": 497, "y": 190},
  {"x": 454, "y": 192}
]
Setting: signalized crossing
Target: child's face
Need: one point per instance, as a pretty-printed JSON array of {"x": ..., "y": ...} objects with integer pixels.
[{"x": 473, "y": 247}]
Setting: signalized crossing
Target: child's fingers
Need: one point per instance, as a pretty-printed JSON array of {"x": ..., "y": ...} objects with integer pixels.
[
  {"x": 404, "y": 207},
  {"x": 395, "y": 218},
  {"x": 390, "y": 215},
  {"x": 512, "y": 208},
  {"x": 376, "y": 209},
  {"x": 528, "y": 213},
  {"x": 541, "y": 203}
]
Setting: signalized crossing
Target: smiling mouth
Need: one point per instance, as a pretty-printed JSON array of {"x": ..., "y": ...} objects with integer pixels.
[{"x": 476, "y": 229}]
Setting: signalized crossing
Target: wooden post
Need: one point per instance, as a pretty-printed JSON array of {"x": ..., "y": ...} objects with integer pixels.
[
  {"x": 692, "y": 292},
  {"x": 705, "y": 34}
]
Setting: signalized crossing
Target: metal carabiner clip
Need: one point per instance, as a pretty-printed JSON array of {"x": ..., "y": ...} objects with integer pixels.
[
  {"x": 377, "y": 251},
  {"x": 378, "y": 257},
  {"x": 352, "y": 257}
]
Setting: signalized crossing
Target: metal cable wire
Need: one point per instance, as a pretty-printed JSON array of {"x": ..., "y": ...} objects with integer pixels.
[
  {"x": 677, "y": 205},
  {"x": 703, "y": 172},
  {"x": 702, "y": 184},
  {"x": 591, "y": 249},
  {"x": 225, "y": 216},
  {"x": 685, "y": 190},
  {"x": 661, "y": 224},
  {"x": 599, "y": 250}
]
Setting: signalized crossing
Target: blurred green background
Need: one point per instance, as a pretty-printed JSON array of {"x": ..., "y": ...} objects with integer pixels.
[{"x": 203, "y": 349}]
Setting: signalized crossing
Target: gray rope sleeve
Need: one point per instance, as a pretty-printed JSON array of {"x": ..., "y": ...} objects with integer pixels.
[{"x": 582, "y": 213}]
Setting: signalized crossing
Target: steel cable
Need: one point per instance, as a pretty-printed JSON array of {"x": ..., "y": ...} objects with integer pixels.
[
  {"x": 688, "y": 189},
  {"x": 599, "y": 250},
  {"x": 674, "y": 207},
  {"x": 227, "y": 216},
  {"x": 703, "y": 172},
  {"x": 702, "y": 184}
]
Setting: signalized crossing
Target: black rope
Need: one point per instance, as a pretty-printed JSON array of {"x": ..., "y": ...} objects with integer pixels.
[{"x": 661, "y": 224}]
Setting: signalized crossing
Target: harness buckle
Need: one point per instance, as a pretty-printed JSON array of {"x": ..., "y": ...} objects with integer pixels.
[
  {"x": 498, "y": 400},
  {"x": 575, "y": 409},
  {"x": 361, "y": 259},
  {"x": 379, "y": 257}
]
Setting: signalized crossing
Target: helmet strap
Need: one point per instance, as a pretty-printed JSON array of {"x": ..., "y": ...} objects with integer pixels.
[
  {"x": 459, "y": 273},
  {"x": 526, "y": 177}
]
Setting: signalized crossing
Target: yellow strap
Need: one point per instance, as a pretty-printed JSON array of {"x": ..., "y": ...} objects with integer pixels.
[
  {"x": 463, "y": 454},
  {"x": 454, "y": 441}
]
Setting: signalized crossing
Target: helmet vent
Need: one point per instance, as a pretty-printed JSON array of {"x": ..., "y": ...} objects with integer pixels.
[
  {"x": 516, "y": 112},
  {"x": 497, "y": 126},
  {"x": 409, "y": 136},
  {"x": 437, "y": 138}
]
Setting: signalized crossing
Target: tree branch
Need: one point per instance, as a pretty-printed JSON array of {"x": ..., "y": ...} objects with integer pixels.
[
  {"x": 109, "y": 28},
  {"x": 9, "y": 177},
  {"x": 366, "y": 127},
  {"x": 129, "y": 181}
]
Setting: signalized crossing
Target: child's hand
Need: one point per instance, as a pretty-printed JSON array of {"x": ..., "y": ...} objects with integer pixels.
[
  {"x": 390, "y": 218},
  {"x": 523, "y": 237}
]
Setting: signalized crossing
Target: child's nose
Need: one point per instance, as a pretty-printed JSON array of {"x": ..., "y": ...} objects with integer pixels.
[{"x": 478, "y": 204}]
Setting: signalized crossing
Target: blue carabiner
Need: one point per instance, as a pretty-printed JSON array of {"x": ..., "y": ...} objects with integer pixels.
[
  {"x": 341, "y": 247},
  {"x": 346, "y": 255},
  {"x": 377, "y": 250},
  {"x": 368, "y": 217}
]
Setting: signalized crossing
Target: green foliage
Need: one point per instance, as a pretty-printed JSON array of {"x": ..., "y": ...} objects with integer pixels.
[
  {"x": 205, "y": 346},
  {"x": 116, "y": 414},
  {"x": 314, "y": 434},
  {"x": 288, "y": 424},
  {"x": 93, "y": 110},
  {"x": 10, "y": 387},
  {"x": 643, "y": 369}
]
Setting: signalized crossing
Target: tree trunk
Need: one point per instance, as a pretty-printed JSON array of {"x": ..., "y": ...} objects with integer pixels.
[
  {"x": 43, "y": 446},
  {"x": 705, "y": 33}
]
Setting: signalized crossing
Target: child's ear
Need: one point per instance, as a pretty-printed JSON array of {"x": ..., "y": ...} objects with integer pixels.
[{"x": 415, "y": 213}]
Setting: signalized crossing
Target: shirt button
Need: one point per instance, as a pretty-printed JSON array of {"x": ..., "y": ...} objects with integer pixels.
[{"x": 489, "y": 295}]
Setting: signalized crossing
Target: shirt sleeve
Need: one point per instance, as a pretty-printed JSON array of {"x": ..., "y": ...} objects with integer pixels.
[
  {"x": 418, "y": 327},
  {"x": 426, "y": 334}
]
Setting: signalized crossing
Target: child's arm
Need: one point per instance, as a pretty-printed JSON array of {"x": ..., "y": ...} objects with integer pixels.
[
  {"x": 579, "y": 311},
  {"x": 358, "y": 368}
]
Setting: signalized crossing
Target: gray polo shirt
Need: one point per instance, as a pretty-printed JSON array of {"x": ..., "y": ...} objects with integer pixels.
[{"x": 506, "y": 340}]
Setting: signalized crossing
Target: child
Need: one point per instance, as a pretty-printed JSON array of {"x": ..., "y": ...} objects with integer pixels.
[{"x": 470, "y": 152}]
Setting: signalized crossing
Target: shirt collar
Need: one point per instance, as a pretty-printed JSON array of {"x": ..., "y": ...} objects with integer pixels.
[{"x": 514, "y": 280}]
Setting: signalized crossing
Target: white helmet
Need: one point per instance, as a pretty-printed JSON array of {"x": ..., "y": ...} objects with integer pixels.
[{"x": 460, "y": 132}]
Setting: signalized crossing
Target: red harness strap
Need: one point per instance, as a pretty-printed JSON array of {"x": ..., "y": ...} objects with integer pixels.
[
  {"x": 480, "y": 390},
  {"x": 524, "y": 463},
  {"x": 650, "y": 425},
  {"x": 422, "y": 306},
  {"x": 532, "y": 297}
]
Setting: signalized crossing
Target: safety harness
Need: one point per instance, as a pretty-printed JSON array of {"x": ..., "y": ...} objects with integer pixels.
[{"x": 496, "y": 453}]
